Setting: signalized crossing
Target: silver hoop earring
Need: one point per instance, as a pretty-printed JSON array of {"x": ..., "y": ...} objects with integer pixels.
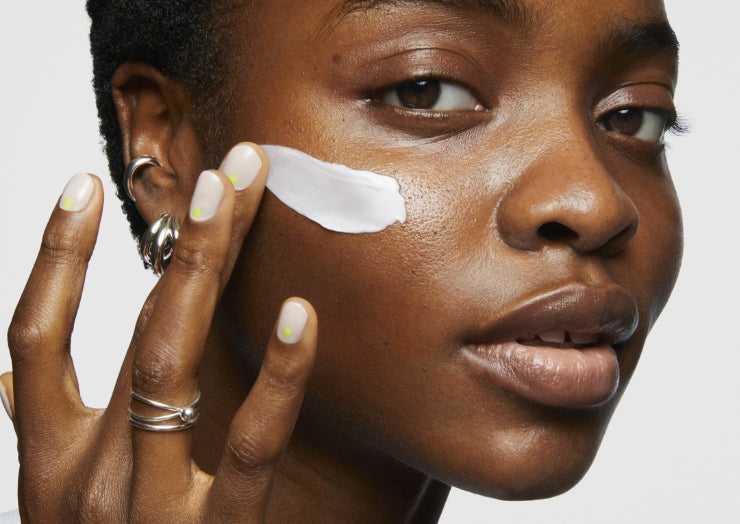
[
  {"x": 135, "y": 165},
  {"x": 158, "y": 243}
]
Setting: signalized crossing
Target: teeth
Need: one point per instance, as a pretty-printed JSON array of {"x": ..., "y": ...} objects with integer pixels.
[
  {"x": 558, "y": 336},
  {"x": 555, "y": 336},
  {"x": 584, "y": 338}
]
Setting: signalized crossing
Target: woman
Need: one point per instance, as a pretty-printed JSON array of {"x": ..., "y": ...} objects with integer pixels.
[{"x": 453, "y": 345}]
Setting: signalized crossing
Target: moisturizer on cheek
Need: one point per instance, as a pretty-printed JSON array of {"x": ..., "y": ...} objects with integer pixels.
[{"x": 334, "y": 196}]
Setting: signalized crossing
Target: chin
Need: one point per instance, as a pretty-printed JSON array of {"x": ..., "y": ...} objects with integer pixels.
[
  {"x": 532, "y": 482},
  {"x": 540, "y": 486},
  {"x": 537, "y": 460}
]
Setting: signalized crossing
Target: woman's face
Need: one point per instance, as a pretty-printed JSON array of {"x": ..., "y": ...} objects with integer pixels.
[{"x": 487, "y": 340}]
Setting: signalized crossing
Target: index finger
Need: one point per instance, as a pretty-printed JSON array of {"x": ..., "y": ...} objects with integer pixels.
[{"x": 39, "y": 334}]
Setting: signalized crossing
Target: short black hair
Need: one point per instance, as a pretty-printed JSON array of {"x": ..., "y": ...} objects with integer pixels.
[{"x": 178, "y": 37}]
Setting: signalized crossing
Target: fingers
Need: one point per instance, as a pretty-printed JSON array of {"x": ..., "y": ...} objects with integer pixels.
[
  {"x": 246, "y": 166},
  {"x": 44, "y": 381},
  {"x": 262, "y": 427},
  {"x": 6, "y": 394}
]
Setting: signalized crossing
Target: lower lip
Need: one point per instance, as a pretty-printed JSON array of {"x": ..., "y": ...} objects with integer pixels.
[{"x": 566, "y": 378}]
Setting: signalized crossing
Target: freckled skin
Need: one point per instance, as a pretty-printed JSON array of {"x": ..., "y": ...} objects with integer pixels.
[{"x": 390, "y": 402}]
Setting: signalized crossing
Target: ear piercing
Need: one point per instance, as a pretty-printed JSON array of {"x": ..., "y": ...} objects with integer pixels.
[
  {"x": 157, "y": 244},
  {"x": 135, "y": 165}
]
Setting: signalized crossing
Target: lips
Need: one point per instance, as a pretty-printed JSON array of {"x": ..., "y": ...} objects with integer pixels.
[{"x": 557, "y": 349}]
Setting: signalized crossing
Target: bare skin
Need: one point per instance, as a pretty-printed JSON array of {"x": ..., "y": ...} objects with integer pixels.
[{"x": 483, "y": 344}]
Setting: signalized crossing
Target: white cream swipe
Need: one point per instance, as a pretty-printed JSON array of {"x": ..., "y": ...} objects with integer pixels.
[{"x": 336, "y": 197}]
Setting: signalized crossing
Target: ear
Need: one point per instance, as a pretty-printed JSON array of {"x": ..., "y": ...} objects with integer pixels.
[{"x": 155, "y": 115}]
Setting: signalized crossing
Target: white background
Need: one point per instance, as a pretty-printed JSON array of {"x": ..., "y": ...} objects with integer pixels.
[{"x": 672, "y": 451}]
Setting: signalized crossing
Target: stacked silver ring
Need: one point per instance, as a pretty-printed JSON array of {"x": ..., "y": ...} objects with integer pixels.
[{"x": 184, "y": 417}]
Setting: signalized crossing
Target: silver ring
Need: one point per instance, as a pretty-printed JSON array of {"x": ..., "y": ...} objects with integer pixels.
[
  {"x": 184, "y": 417},
  {"x": 131, "y": 168}
]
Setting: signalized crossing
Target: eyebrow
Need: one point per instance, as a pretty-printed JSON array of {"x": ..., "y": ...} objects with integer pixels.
[
  {"x": 511, "y": 12},
  {"x": 642, "y": 40}
]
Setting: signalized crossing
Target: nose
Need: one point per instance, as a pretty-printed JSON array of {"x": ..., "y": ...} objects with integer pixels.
[{"x": 567, "y": 197}]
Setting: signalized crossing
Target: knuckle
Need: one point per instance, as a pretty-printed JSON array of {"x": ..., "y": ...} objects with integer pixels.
[
  {"x": 284, "y": 386},
  {"x": 93, "y": 503},
  {"x": 39, "y": 491},
  {"x": 155, "y": 374},
  {"x": 196, "y": 259},
  {"x": 251, "y": 456},
  {"x": 100, "y": 496},
  {"x": 26, "y": 337},
  {"x": 286, "y": 375},
  {"x": 60, "y": 245}
]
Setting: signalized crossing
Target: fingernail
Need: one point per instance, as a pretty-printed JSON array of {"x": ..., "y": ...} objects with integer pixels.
[
  {"x": 207, "y": 196},
  {"x": 241, "y": 165},
  {"x": 77, "y": 192},
  {"x": 5, "y": 400},
  {"x": 292, "y": 322}
]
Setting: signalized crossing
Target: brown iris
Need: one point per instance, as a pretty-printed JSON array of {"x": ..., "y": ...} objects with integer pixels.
[
  {"x": 625, "y": 121},
  {"x": 419, "y": 94}
]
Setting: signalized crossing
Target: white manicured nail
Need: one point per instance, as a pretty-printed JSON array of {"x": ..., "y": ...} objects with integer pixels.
[
  {"x": 292, "y": 322},
  {"x": 77, "y": 192},
  {"x": 209, "y": 191},
  {"x": 241, "y": 165},
  {"x": 5, "y": 400}
]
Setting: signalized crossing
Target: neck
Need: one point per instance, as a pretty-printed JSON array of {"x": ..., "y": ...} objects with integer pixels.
[{"x": 317, "y": 477}]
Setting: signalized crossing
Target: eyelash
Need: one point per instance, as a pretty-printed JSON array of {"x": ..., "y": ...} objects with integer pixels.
[{"x": 680, "y": 126}]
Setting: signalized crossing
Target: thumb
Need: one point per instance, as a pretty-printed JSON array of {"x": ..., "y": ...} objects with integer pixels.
[{"x": 6, "y": 393}]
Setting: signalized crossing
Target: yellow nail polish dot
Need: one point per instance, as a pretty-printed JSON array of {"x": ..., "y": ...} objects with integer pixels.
[
  {"x": 196, "y": 212},
  {"x": 67, "y": 203},
  {"x": 287, "y": 332},
  {"x": 233, "y": 179}
]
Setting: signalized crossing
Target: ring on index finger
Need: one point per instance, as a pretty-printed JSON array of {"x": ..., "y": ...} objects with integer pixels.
[{"x": 183, "y": 417}]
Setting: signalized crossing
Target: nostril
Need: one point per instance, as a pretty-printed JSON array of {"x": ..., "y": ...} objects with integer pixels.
[
  {"x": 618, "y": 242},
  {"x": 556, "y": 232}
]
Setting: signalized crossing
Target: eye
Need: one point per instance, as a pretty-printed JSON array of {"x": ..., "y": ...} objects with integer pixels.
[
  {"x": 431, "y": 95},
  {"x": 644, "y": 124}
]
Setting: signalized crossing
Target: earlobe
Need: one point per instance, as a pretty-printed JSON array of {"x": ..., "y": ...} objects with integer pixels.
[{"x": 154, "y": 113}]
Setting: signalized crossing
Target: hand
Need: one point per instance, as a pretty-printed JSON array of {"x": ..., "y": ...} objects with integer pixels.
[{"x": 82, "y": 464}]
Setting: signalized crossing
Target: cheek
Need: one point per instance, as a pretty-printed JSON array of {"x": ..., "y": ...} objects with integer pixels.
[
  {"x": 381, "y": 333},
  {"x": 380, "y": 297},
  {"x": 654, "y": 257}
]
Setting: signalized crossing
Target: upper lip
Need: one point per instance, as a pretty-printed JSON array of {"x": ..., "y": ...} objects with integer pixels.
[{"x": 607, "y": 311}]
